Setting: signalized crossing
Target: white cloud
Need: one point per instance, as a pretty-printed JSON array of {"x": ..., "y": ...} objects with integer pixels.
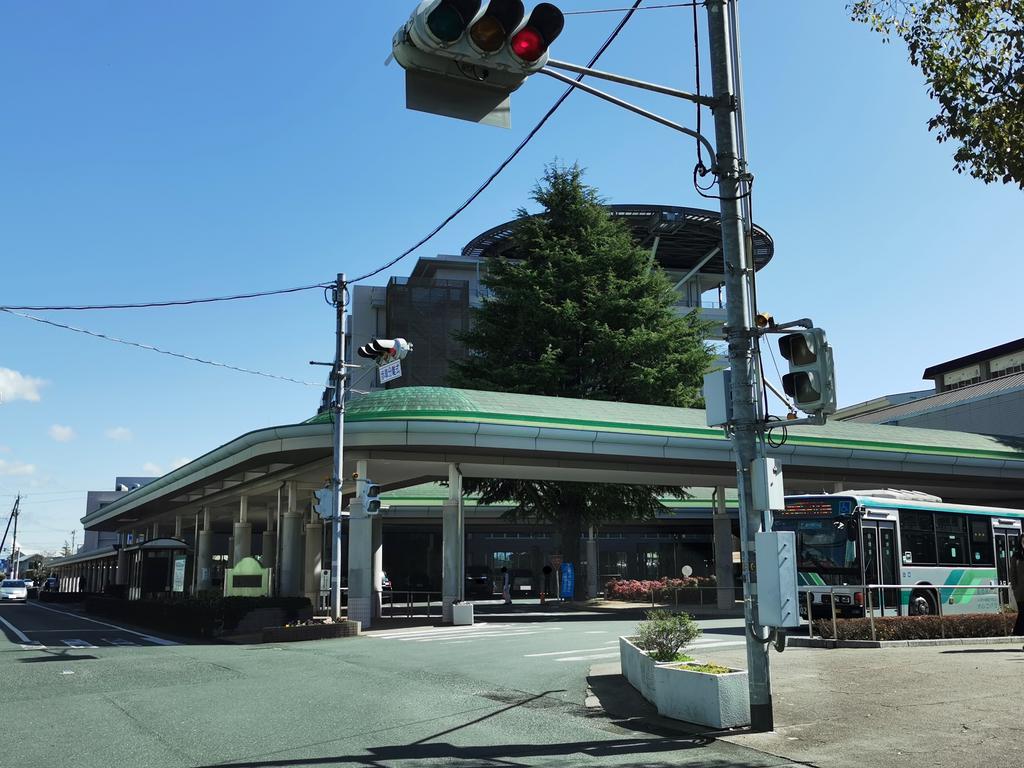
[
  {"x": 180, "y": 462},
  {"x": 150, "y": 468},
  {"x": 17, "y": 386},
  {"x": 122, "y": 434},
  {"x": 11, "y": 468},
  {"x": 61, "y": 433}
]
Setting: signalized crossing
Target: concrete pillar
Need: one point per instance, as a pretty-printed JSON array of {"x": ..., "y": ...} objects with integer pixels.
[
  {"x": 722, "y": 528},
  {"x": 360, "y": 557},
  {"x": 291, "y": 553},
  {"x": 121, "y": 577},
  {"x": 156, "y": 530},
  {"x": 242, "y": 532},
  {"x": 452, "y": 542},
  {"x": 204, "y": 554},
  {"x": 314, "y": 561},
  {"x": 377, "y": 554},
  {"x": 592, "y": 564},
  {"x": 838, "y": 487},
  {"x": 269, "y": 551},
  {"x": 177, "y": 526}
]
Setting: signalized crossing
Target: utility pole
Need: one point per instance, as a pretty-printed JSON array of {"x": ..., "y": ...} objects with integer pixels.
[
  {"x": 14, "y": 541},
  {"x": 12, "y": 518},
  {"x": 339, "y": 379},
  {"x": 734, "y": 187}
]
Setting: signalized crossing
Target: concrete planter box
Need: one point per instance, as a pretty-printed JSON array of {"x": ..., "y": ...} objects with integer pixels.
[
  {"x": 309, "y": 632},
  {"x": 462, "y": 614},
  {"x": 717, "y": 701}
]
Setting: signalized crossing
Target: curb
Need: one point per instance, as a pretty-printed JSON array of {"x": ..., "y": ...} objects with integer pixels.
[{"x": 818, "y": 642}]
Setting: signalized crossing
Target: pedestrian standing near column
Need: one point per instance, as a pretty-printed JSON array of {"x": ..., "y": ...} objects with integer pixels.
[
  {"x": 1017, "y": 582},
  {"x": 506, "y": 586}
]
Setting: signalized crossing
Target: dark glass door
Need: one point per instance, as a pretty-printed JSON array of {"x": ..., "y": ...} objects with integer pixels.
[{"x": 880, "y": 564}]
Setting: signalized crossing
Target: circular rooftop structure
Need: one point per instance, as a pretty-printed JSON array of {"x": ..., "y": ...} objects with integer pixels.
[{"x": 684, "y": 237}]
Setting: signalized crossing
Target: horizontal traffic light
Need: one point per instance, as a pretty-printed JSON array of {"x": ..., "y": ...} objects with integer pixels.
[
  {"x": 448, "y": 19},
  {"x": 532, "y": 41},
  {"x": 385, "y": 350}
]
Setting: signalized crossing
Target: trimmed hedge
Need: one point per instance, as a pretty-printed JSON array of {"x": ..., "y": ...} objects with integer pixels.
[
  {"x": 61, "y": 597},
  {"x": 203, "y": 616},
  {"x": 663, "y": 589},
  {"x": 919, "y": 627}
]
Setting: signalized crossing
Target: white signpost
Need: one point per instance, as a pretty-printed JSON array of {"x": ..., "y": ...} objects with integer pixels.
[{"x": 390, "y": 371}]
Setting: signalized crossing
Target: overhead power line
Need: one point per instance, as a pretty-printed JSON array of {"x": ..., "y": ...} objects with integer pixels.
[
  {"x": 645, "y": 8},
  {"x": 168, "y": 303},
  {"x": 505, "y": 163},
  {"x": 151, "y": 348}
]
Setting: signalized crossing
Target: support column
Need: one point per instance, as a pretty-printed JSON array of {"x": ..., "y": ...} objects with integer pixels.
[
  {"x": 314, "y": 565},
  {"x": 838, "y": 487},
  {"x": 242, "y": 532},
  {"x": 204, "y": 554},
  {"x": 360, "y": 556},
  {"x": 156, "y": 530},
  {"x": 270, "y": 541},
  {"x": 291, "y": 554},
  {"x": 121, "y": 576},
  {"x": 377, "y": 555},
  {"x": 592, "y": 564},
  {"x": 177, "y": 526},
  {"x": 452, "y": 543},
  {"x": 722, "y": 528}
]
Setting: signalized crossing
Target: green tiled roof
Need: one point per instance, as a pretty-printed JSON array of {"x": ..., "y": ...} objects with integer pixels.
[{"x": 441, "y": 403}]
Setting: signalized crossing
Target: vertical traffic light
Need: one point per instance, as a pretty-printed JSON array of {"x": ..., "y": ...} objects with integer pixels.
[
  {"x": 323, "y": 503},
  {"x": 371, "y": 497},
  {"x": 811, "y": 378}
]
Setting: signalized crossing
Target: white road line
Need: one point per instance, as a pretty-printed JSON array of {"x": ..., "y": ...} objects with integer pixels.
[
  {"x": 37, "y": 647},
  {"x": 399, "y": 633},
  {"x": 471, "y": 636},
  {"x": 118, "y": 641},
  {"x": 574, "y": 650},
  {"x": 21, "y": 635},
  {"x": 149, "y": 638},
  {"x": 75, "y": 643},
  {"x": 614, "y": 655}
]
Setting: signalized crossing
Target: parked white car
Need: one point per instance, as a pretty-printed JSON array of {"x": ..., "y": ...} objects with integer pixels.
[{"x": 13, "y": 589}]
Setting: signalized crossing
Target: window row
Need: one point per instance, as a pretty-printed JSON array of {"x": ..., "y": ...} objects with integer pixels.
[{"x": 939, "y": 538}]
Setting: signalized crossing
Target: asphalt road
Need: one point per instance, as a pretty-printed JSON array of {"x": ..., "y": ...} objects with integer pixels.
[
  {"x": 35, "y": 626},
  {"x": 509, "y": 691}
]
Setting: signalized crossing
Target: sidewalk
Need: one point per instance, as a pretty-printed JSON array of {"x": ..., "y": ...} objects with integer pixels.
[{"x": 899, "y": 707}]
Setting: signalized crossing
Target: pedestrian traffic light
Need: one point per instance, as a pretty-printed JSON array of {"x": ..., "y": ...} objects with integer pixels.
[
  {"x": 371, "y": 497},
  {"x": 323, "y": 503},
  {"x": 811, "y": 378},
  {"x": 385, "y": 350},
  {"x": 464, "y": 57}
]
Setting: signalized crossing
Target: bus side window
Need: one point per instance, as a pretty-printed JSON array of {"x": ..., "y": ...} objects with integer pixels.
[{"x": 981, "y": 541}]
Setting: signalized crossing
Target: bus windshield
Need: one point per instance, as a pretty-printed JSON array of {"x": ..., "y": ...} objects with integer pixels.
[{"x": 824, "y": 546}]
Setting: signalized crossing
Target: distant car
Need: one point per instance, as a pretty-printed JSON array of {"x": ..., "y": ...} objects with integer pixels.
[
  {"x": 478, "y": 581},
  {"x": 29, "y": 583},
  {"x": 13, "y": 589}
]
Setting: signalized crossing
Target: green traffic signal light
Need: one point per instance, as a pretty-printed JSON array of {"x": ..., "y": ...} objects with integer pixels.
[{"x": 448, "y": 20}]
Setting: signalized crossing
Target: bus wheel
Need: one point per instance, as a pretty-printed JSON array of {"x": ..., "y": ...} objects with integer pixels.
[{"x": 922, "y": 604}]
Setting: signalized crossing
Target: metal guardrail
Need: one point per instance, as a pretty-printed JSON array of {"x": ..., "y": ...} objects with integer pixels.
[
  {"x": 869, "y": 589},
  {"x": 406, "y": 601},
  {"x": 676, "y": 591}
]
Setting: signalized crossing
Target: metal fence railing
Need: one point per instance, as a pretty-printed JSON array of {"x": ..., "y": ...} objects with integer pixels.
[
  {"x": 870, "y": 590},
  {"x": 398, "y": 602}
]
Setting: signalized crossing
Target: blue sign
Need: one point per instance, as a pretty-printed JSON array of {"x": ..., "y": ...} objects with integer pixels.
[
  {"x": 3, "y": 566},
  {"x": 568, "y": 582}
]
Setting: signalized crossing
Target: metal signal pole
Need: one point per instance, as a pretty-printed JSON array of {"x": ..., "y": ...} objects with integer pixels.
[
  {"x": 734, "y": 188},
  {"x": 340, "y": 378}
]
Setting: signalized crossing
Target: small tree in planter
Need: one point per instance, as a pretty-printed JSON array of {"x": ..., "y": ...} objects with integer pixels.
[{"x": 665, "y": 635}]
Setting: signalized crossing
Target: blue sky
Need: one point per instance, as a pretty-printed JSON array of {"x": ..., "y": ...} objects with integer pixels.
[{"x": 152, "y": 151}]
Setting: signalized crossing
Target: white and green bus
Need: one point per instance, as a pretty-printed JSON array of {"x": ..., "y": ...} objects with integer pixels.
[{"x": 899, "y": 538}]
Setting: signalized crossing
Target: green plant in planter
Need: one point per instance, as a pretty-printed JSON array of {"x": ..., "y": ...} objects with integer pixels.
[{"x": 665, "y": 634}]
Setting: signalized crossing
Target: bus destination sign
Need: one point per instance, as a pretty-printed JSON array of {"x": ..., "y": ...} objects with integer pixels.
[{"x": 817, "y": 507}]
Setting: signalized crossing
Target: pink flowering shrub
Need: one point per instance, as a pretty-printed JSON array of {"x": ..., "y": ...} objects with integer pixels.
[{"x": 662, "y": 589}]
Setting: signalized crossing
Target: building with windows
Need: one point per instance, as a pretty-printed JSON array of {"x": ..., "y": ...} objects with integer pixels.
[{"x": 980, "y": 392}]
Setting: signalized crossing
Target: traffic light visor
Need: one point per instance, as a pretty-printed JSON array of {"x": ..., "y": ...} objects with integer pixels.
[
  {"x": 449, "y": 18},
  {"x": 802, "y": 387},
  {"x": 795, "y": 348},
  {"x": 489, "y": 33},
  {"x": 544, "y": 25}
]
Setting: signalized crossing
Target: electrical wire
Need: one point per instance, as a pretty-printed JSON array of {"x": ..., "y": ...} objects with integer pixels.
[
  {"x": 151, "y": 348},
  {"x": 645, "y": 8},
  {"x": 505, "y": 163},
  {"x": 168, "y": 303}
]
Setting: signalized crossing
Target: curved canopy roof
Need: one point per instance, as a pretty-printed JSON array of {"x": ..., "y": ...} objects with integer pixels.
[{"x": 685, "y": 236}]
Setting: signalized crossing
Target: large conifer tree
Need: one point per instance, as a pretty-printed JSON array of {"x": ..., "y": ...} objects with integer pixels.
[{"x": 581, "y": 312}]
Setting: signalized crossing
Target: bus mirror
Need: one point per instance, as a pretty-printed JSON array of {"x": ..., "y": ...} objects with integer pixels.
[{"x": 851, "y": 530}]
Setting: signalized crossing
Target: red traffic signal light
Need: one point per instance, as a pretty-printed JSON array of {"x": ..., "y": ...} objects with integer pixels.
[{"x": 532, "y": 41}]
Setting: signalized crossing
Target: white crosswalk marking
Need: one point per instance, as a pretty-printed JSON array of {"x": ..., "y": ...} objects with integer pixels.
[
  {"x": 75, "y": 643},
  {"x": 461, "y": 634},
  {"x": 118, "y": 641}
]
